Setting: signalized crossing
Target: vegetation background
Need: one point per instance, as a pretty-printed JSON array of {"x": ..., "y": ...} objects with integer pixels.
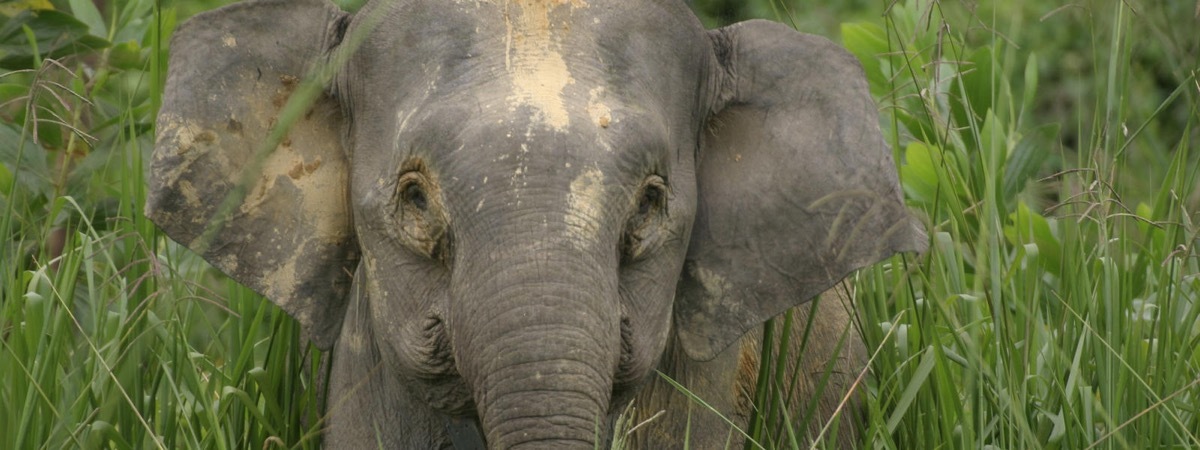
[{"x": 1049, "y": 147}]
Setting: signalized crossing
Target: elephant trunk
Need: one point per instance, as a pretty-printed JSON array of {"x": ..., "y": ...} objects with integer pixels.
[
  {"x": 556, "y": 403},
  {"x": 539, "y": 341}
]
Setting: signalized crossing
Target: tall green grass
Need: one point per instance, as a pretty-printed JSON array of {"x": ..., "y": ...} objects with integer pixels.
[
  {"x": 110, "y": 335},
  {"x": 1056, "y": 307}
]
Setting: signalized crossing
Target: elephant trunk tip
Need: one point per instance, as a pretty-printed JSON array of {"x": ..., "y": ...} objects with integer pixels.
[
  {"x": 566, "y": 420},
  {"x": 580, "y": 435}
]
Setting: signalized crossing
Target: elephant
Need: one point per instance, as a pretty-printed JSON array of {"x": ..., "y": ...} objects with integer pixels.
[{"x": 505, "y": 218}]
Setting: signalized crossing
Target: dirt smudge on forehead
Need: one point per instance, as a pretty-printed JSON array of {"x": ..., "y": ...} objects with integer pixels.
[{"x": 534, "y": 61}]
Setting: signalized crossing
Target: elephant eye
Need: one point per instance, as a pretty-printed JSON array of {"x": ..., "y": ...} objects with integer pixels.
[
  {"x": 421, "y": 225},
  {"x": 414, "y": 195},
  {"x": 643, "y": 229},
  {"x": 651, "y": 198}
]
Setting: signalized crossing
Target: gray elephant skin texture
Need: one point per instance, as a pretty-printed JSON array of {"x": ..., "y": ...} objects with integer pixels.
[{"x": 505, "y": 217}]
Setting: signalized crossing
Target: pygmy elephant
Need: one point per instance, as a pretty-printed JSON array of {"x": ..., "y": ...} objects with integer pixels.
[{"x": 503, "y": 216}]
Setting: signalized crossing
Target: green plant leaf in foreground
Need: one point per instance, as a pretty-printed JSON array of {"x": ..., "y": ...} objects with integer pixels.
[{"x": 56, "y": 35}]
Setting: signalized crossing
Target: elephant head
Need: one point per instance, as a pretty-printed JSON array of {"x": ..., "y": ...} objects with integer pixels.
[{"x": 505, "y": 209}]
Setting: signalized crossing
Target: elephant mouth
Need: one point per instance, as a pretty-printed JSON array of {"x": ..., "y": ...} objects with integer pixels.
[
  {"x": 465, "y": 433},
  {"x": 631, "y": 371},
  {"x": 440, "y": 385},
  {"x": 438, "y": 382},
  {"x": 444, "y": 389}
]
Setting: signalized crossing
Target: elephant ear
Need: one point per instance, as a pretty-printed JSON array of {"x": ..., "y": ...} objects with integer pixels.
[
  {"x": 286, "y": 230},
  {"x": 797, "y": 188}
]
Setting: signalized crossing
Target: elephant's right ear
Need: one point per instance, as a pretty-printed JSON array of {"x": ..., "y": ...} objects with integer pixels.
[
  {"x": 286, "y": 231},
  {"x": 796, "y": 187}
]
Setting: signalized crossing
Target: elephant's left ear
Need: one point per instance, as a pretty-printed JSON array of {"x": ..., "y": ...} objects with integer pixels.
[
  {"x": 797, "y": 188},
  {"x": 277, "y": 220}
]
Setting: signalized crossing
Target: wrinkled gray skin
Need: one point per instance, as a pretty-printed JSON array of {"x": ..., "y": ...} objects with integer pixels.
[{"x": 511, "y": 213}]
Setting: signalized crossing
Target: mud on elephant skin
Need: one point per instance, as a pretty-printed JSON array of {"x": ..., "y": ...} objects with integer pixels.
[{"x": 509, "y": 214}]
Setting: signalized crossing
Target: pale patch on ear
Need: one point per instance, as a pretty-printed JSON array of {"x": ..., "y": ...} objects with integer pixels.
[
  {"x": 534, "y": 61},
  {"x": 230, "y": 262},
  {"x": 281, "y": 282},
  {"x": 318, "y": 184},
  {"x": 190, "y": 194},
  {"x": 712, "y": 283},
  {"x": 722, "y": 299},
  {"x": 584, "y": 206},
  {"x": 184, "y": 136}
]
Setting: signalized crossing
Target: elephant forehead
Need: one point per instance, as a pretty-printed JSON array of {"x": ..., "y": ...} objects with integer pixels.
[{"x": 555, "y": 61}]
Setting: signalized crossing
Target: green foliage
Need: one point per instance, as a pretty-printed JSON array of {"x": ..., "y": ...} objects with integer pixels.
[
  {"x": 110, "y": 335},
  {"x": 33, "y": 35},
  {"x": 1069, "y": 325}
]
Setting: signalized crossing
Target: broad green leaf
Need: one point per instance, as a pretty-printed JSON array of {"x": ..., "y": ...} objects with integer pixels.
[
  {"x": 126, "y": 56},
  {"x": 1028, "y": 227},
  {"x": 1146, "y": 212},
  {"x": 86, "y": 12},
  {"x": 1031, "y": 83},
  {"x": 920, "y": 173},
  {"x": 977, "y": 88},
  {"x": 14, "y": 7},
  {"x": 868, "y": 41},
  {"x": 136, "y": 18},
  {"x": 993, "y": 144},
  {"x": 1027, "y": 158},
  {"x": 26, "y": 161},
  {"x": 55, "y": 35}
]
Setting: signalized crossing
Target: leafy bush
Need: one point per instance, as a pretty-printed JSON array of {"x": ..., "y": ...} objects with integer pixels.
[{"x": 1057, "y": 306}]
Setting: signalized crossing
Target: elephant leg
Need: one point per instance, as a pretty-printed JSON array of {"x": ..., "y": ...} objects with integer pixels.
[
  {"x": 826, "y": 368},
  {"x": 727, "y": 383},
  {"x": 671, "y": 416}
]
